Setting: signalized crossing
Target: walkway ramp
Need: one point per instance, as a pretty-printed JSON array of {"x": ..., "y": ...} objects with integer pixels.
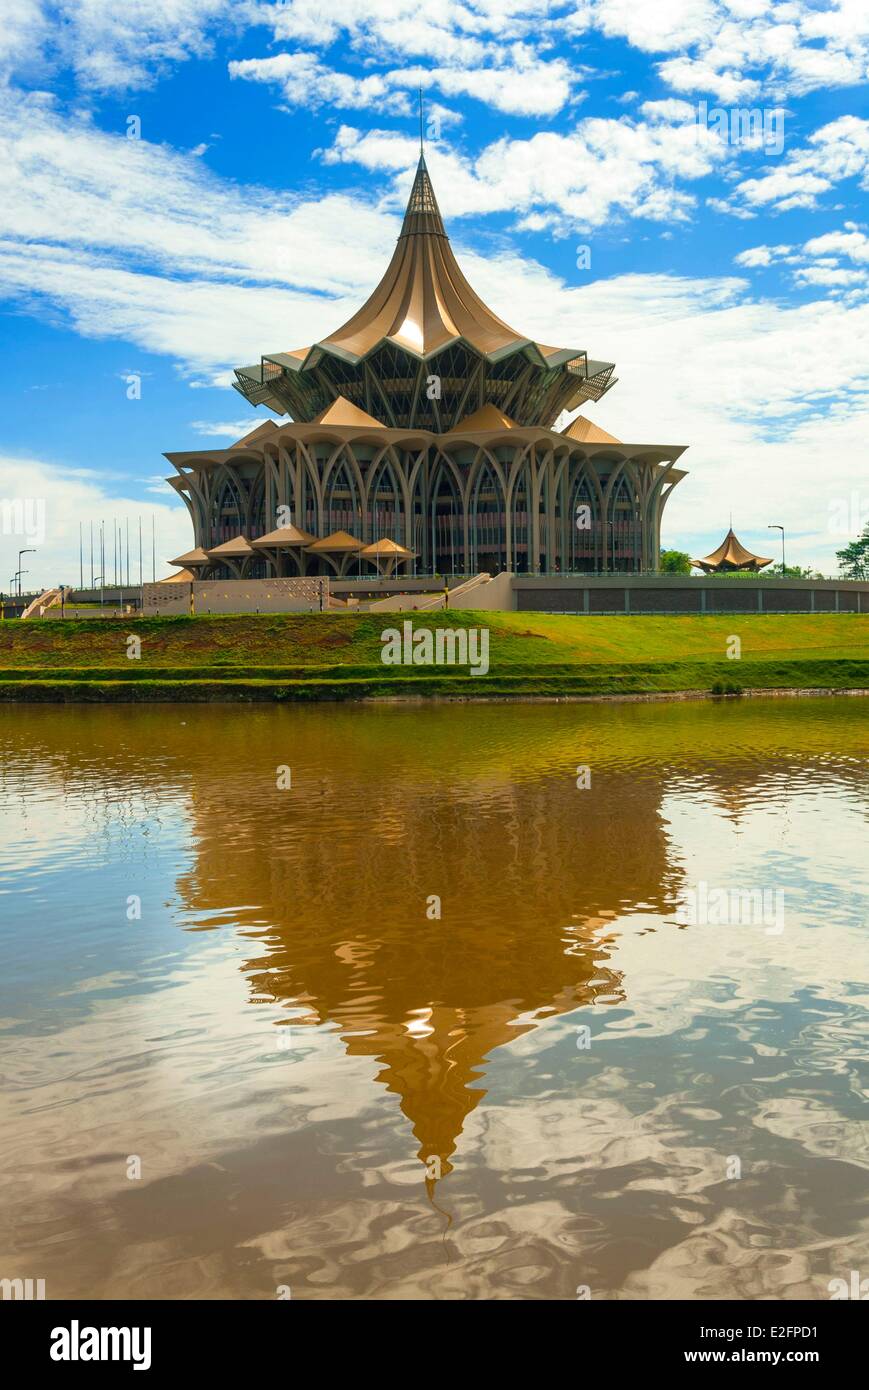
[{"x": 38, "y": 606}]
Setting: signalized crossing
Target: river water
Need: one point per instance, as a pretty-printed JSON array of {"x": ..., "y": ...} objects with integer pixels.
[{"x": 435, "y": 1002}]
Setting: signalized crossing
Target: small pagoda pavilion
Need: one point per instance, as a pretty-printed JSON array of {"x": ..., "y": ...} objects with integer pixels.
[{"x": 731, "y": 555}]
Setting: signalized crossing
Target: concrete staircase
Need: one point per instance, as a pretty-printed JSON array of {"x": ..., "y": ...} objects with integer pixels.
[{"x": 37, "y": 608}]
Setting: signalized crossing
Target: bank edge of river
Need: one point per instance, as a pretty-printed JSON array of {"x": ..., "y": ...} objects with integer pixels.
[{"x": 349, "y": 691}]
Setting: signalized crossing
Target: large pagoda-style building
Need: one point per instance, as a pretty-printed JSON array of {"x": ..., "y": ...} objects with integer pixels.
[
  {"x": 731, "y": 555},
  {"x": 428, "y": 422}
]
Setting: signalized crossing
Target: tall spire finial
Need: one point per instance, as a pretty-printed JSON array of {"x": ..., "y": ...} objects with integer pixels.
[{"x": 421, "y": 142}]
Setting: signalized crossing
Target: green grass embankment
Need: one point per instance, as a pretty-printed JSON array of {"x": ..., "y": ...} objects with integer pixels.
[{"x": 338, "y": 657}]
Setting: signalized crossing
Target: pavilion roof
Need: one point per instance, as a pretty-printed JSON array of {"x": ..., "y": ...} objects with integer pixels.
[
  {"x": 284, "y": 536},
  {"x": 732, "y": 554},
  {"x": 488, "y": 417},
  {"x": 344, "y": 412},
  {"x": 260, "y": 431},
  {"x": 193, "y": 557},
  {"x": 238, "y": 545},
  {"x": 338, "y": 540},
  {"x": 385, "y": 547},
  {"x": 585, "y": 431}
]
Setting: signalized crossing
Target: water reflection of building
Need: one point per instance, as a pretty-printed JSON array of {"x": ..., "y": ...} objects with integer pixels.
[{"x": 532, "y": 874}]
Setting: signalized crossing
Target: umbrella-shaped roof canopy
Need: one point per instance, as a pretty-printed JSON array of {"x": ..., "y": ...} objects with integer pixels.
[
  {"x": 238, "y": 546},
  {"x": 732, "y": 555},
  {"x": 193, "y": 557},
  {"x": 284, "y": 536},
  {"x": 384, "y": 550},
  {"x": 422, "y": 308},
  {"x": 424, "y": 301},
  {"x": 338, "y": 541}
]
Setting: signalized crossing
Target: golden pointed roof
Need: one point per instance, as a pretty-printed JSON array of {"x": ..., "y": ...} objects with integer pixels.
[
  {"x": 422, "y": 306},
  {"x": 731, "y": 555},
  {"x": 385, "y": 547},
  {"x": 193, "y": 557},
  {"x": 585, "y": 431},
  {"x": 424, "y": 301},
  {"x": 488, "y": 417},
  {"x": 238, "y": 546},
  {"x": 338, "y": 540},
  {"x": 257, "y": 433},
  {"x": 284, "y": 536},
  {"x": 344, "y": 412}
]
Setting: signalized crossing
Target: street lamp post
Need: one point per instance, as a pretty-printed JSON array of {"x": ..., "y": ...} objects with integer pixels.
[
  {"x": 612, "y": 546},
  {"x": 774, "y": 526},
  {"x": 30, "y": 551}
]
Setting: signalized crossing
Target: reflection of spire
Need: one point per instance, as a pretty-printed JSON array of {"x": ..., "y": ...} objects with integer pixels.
[{"x": 338, "y": 885}]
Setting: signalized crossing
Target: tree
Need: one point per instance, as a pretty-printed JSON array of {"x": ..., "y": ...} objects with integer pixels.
[
  {"x": 675, "y": 562},
  {"x": 795, "y": 572},
  {"x": 854, "y": 559}
]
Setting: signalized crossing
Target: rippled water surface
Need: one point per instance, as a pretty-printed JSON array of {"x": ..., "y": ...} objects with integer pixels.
[{"x": 566, "y": 1080}]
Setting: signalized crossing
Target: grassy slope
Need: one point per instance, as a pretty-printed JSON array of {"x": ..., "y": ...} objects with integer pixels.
[{"x": 306, "y": 656}]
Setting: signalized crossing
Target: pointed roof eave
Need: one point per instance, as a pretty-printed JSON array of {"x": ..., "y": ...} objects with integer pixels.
[
  {"x": 585, "y": 431},
  {"x": 336, "y": 541},
  {"x": 193, "y": 557},
  {"x": 284, "y": 536},
  {"x": 386, "y": 547},
  {"x": 543, "y": 356},
  {"x": 486, "y": 417},
  {"x": 731, "y": 551},
  {"x": 260, "y": 431},
  {"x": 343, "y": 412},
  {"x": 236, "y": 546}
]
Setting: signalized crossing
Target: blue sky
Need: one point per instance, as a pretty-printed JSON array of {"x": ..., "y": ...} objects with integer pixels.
[{"x": 728, "y": 277}]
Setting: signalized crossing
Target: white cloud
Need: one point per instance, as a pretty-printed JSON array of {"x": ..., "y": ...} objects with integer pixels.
[
  {"x": 71, "y": 496},
  {"x": 738, "y": 49},
  {"x": 583, "y": 179},
  {"x": 305, "y": 81},
  {"x": 111, "y": 46},
  {"x": 817, "y": 262},
  {"x": 760, "y": 255},
  {"x": 227, "y": 429},
  {"x": 132, "y": 202},
  {"x": 851, "y": 243},
  {"x": 515, "y": 81},
  {"x": 829, "y": 275},
  {"x": 835, "y": 152}
]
